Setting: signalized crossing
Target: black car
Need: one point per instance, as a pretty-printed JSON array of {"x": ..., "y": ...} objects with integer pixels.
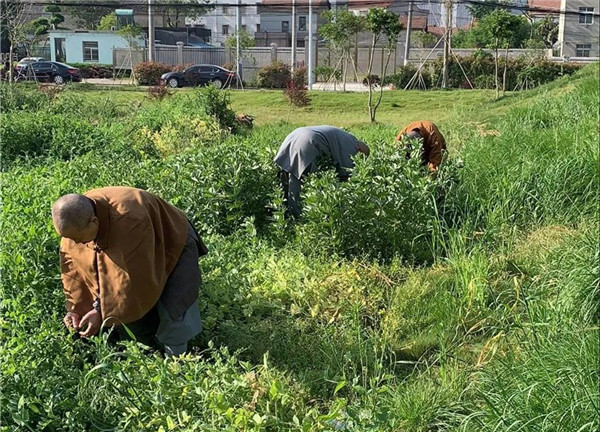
[
  {"x": 51, "y": 71},
  {"x": 200, "y": 75}
]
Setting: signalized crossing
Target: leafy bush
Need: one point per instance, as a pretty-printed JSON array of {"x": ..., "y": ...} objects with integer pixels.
[
  {"x": 404, "y": 74},
  {"x": 327, "y": 73},
  {"x": 21, "y": 98},
  {"x": 479, "y": 68},
  {"x": 149, "y": 73},
  {"x": 386, "y": 209},
  {"x": 296, "y": 94},
  {"x": 184, "y": 132},
  {"x": 276, "y": 75}
]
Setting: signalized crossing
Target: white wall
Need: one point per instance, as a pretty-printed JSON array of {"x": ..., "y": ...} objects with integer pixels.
[{"x": 74, "y": 45}]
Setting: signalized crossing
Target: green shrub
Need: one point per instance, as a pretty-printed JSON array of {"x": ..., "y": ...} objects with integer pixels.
[
  {"x": 327, "y": 73},
  {"x": 404, "y": 74},
  {"x": 21, "y": 98},
  {"x": 276, "y": 75},
  {"x": 149, "y": 73},
  {"x": 386, "y": 209}
]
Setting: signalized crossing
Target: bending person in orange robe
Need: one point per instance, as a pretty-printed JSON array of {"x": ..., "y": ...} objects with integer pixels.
[{"x": 433, "y": 142}]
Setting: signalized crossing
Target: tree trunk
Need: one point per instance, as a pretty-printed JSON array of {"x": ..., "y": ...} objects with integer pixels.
[
  {"x": 369, "y": 83},
  {"x": 504, "y": 73},
  {"x": 496, "y": 69},
  {"x": 387, "y": 62},
  {"x": 10, "y": 67}
]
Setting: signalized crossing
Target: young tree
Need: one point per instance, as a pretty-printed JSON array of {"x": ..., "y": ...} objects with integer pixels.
[
  {"x": 380, "y": 22},
  {"x": 56, "y": 18},
  {"x": 246, "y": 41},
  {"x": 13, "y": 20},
  {"x": 340, "y": 33},
  {"x": 503, "y": 29},
  {"x": 131, "y": 34},
  {"x": 547, "y": 31}
]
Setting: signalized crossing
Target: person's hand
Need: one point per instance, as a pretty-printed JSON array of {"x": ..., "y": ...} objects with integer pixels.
[
  {"x": 71, "y": 320},
  {"x": 90, "y": 323}
]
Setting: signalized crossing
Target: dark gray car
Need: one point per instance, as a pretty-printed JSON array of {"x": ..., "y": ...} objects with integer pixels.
[{"x": 200, "y": 75}]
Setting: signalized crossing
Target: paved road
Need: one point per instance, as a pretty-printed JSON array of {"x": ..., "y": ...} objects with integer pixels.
[{"x": 351, "y": 87}]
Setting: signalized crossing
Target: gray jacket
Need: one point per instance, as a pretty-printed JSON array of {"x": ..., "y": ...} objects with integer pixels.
[{"x": 305, "y": 145}]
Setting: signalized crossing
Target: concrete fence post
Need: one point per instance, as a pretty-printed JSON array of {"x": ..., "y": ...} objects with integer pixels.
[
  {"x": 273, "y": 52},
  {"x": 180, "y": 53}
]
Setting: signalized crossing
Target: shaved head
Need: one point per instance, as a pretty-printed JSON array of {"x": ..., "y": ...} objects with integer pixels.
[
  {"x": 72, "y": 213},
  {"x": 414, "y": 134},
  {"x": 363, "y": 148}
]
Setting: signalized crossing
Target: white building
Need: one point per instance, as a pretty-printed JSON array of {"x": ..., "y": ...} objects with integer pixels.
[
  {"x": 221, "y": 20},
  {"x": 276, "y": 19},
  {"x": 578, "y": 28}
]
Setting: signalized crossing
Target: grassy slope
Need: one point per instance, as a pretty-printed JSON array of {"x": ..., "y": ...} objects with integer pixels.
[{"x": 498, "y": 334}]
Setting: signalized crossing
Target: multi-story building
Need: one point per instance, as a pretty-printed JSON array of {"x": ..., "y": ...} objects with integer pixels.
[
  {"x": 276, "y": 18},
  {"x": 578, "y": 28},
  {"x": 221, "y": 20}
]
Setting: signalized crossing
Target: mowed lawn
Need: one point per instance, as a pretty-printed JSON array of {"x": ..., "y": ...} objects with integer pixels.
[{"x": 342, "y": 109}]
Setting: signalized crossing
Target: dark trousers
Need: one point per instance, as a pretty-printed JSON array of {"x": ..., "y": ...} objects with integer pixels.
[
  {"x": 180, "y": 292},
  {"x": 291, "y": 186}
]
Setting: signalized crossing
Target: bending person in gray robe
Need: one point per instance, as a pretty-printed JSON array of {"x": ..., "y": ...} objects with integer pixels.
[{"x": 300, "y": 151}]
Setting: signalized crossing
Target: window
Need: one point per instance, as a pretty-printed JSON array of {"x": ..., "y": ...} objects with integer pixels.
[
  {"x": 583, "y": 50},
  {"x": 302, "y": 24},
  {"x": 243, "y": 27},
  {"x": 225, "y": 30},
  {"x": 90, "y": 51},
  {"x": 285, "y": 26},
  {"x": 257, "y": 28},
  {"x": 225, "y": 10},
  {"x": 586, "y": 15}
]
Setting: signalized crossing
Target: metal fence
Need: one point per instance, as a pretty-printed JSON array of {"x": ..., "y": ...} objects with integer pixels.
[{"x": 253, "y": 59}]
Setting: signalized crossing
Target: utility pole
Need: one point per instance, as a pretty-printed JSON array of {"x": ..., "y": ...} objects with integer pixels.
[
  {"x": 238, "y": 46},
  {"x": 150, "y": 31},
  {"x": 310, "y": 45},
  {"x": 408, "y": 29},
  {"x": 293, "y": 65},
  {"x": 448, "y": 4}
]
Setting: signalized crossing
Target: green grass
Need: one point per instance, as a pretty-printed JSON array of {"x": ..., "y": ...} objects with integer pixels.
[{"x": 344, "y": 321}]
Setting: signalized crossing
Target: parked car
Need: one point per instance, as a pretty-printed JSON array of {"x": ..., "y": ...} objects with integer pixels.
[
  {"x": 50, "y": 71},
  {"x": 27, "y": 61},
  {"x": 200, "y": 75}
]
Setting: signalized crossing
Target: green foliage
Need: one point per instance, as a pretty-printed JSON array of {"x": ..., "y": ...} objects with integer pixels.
[
  {"x": 497, "y": 29},
  {"x": 276, "y": 76},
  {"x": 404, "y": 74},
  {"x": 496, "y": 328},
  {"x": 149, "y": 73},
  {"x": 327, "y": 73},
  {"x": 385, "y": 209},
  {"x": 547, "y": 30},
  {"x": 108, "y": 22},
  {"x": 341, "y": 28}
]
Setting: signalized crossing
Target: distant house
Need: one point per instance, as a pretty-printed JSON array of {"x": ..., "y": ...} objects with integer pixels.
[
  {"x": 221, "y": 20},
  {"x": 578, "y": 28},
  {"x": 540, "y": 9},
  {"x": 86, "y": 46},
  {"x": 276, "y": 18}
]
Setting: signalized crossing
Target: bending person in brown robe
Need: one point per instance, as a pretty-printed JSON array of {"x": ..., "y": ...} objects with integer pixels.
[
  {"x": 128, "y": 257},
  {"x": 433, "y": 142}
]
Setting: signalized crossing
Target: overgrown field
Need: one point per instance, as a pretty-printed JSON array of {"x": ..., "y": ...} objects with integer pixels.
[{"x": 399, "y": 302}]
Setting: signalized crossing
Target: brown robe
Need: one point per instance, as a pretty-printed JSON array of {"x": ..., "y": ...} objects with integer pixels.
[
  {"x": 433, "y": 142},
  {"x": 139, "y": 241}
]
